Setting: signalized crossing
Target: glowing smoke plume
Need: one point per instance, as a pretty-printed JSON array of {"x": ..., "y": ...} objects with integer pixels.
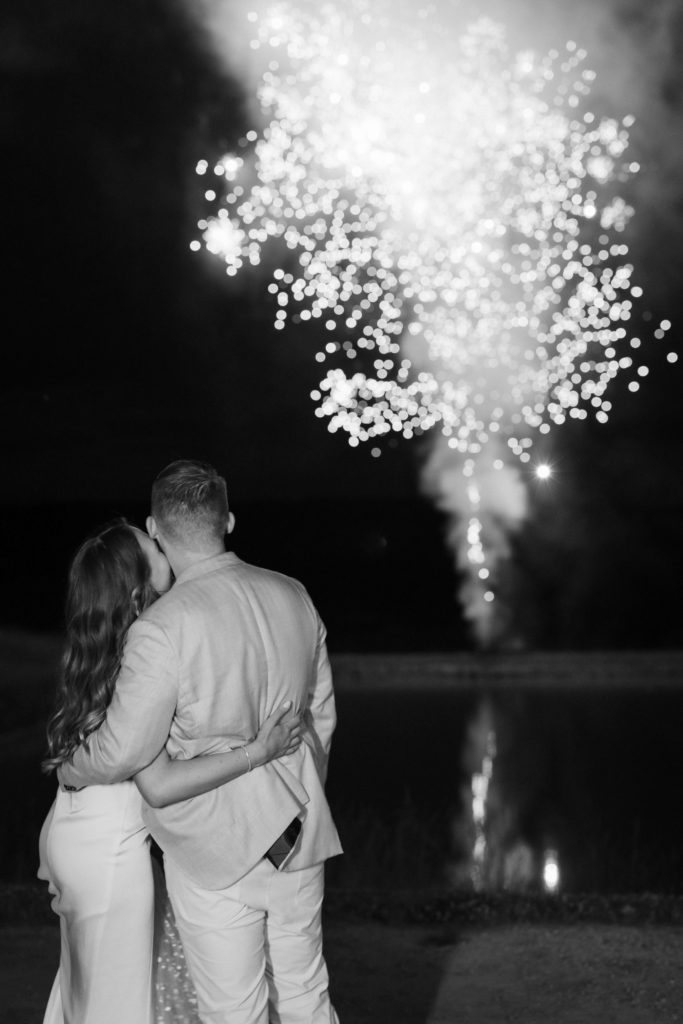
[
  {"x": 446, "y": 212},
  {"x": 486, "y": 502},
  {"x": 447, "y": 217}
]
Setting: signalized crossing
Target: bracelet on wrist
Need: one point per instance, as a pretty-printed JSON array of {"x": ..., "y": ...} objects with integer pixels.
[{"x": 246, "y": 754}]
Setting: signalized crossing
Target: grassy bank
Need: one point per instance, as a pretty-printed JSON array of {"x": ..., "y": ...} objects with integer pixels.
[{"x": 29, "y": 904}]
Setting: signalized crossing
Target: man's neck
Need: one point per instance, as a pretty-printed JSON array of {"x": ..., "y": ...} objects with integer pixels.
[{"x": 181, "y": 559}]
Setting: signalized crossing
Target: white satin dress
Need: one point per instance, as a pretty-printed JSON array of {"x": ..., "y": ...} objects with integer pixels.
[{"x": 95, "y": 855}]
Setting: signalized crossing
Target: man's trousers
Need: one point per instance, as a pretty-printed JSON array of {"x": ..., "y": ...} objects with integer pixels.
[{"x": 254, "y": 950}]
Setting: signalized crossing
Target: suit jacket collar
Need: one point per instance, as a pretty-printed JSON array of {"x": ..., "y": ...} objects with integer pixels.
[{"x": 225, "y": 560}]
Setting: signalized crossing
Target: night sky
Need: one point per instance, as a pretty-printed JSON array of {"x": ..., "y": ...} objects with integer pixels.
[{"x": 123, "y": 350}]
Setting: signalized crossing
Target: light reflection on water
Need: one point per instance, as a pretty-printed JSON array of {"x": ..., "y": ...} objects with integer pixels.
[
  {"x": 498, "y": 857},
  {"x": 576, "y": 790},
  {"x": 573, "y": 791}
]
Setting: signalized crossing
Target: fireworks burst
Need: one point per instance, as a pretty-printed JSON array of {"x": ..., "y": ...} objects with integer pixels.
[{"x": 449, "y": 217}]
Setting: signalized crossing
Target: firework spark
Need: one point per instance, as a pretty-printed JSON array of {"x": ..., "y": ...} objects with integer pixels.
[{"x": 449, "y": 219}]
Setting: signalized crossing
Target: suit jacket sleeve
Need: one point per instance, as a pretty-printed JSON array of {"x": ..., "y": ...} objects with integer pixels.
[
  {"x": 321, "y": 712},
  {"x": 139, "y": 716}
]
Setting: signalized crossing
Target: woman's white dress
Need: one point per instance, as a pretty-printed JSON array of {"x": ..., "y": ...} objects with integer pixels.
[{"x": 95, "y": 855}]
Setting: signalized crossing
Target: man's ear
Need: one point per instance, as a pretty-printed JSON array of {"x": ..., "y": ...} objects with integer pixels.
[
  {"x": 151, "y": 527},
  {"x": 231, "y": 522}
]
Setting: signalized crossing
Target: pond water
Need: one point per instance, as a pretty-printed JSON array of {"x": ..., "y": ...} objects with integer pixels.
[
  {"x": 577, "y": 791},
  {"x": 524, "y": 789}
]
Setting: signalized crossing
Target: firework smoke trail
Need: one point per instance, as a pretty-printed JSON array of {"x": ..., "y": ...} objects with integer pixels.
[
  {"x": 445, "y": 212},
  {"x": 486, "y": 502}
]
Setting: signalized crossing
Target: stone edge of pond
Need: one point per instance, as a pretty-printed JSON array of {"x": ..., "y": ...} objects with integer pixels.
[{"x": 29, "y": 904}]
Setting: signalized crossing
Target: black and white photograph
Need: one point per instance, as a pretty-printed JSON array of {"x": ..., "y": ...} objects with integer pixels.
[{"x": 341, "y": 646}]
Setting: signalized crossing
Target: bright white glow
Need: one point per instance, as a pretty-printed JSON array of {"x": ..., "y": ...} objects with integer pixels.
[
  {"x": 543, "y": 471},
  {"x": 551, "y": 871},
  {"x": 445, "y": 209}
]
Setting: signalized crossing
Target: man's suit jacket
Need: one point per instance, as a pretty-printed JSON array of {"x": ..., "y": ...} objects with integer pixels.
[{"x": 202, "y": 668}]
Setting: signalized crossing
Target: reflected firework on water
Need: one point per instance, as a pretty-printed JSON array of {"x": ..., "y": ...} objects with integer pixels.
[
  {"x": 446, "y": 212},
  {"x": 490, "y": 848}
]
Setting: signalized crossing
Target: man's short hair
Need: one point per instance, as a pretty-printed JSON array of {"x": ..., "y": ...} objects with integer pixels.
[{"x": 190, "y": 501}]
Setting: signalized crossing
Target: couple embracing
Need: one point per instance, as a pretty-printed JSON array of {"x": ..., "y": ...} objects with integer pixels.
[{"x": 201, "y": 713}]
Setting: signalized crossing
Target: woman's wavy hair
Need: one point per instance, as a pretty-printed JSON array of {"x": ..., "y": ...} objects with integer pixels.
[{"x": 108, "y": 586}]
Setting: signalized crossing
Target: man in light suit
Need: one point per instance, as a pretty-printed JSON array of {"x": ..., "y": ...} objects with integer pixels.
[{"x": 202, "y": 667}]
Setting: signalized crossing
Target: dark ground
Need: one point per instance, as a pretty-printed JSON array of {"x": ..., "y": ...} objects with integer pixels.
[
  {"x": 462, "y": 960},
  {"x": 419, "y": 974}
]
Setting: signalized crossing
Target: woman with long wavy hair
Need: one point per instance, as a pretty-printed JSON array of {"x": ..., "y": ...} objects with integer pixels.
[{"x": 94, "y": 846}]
